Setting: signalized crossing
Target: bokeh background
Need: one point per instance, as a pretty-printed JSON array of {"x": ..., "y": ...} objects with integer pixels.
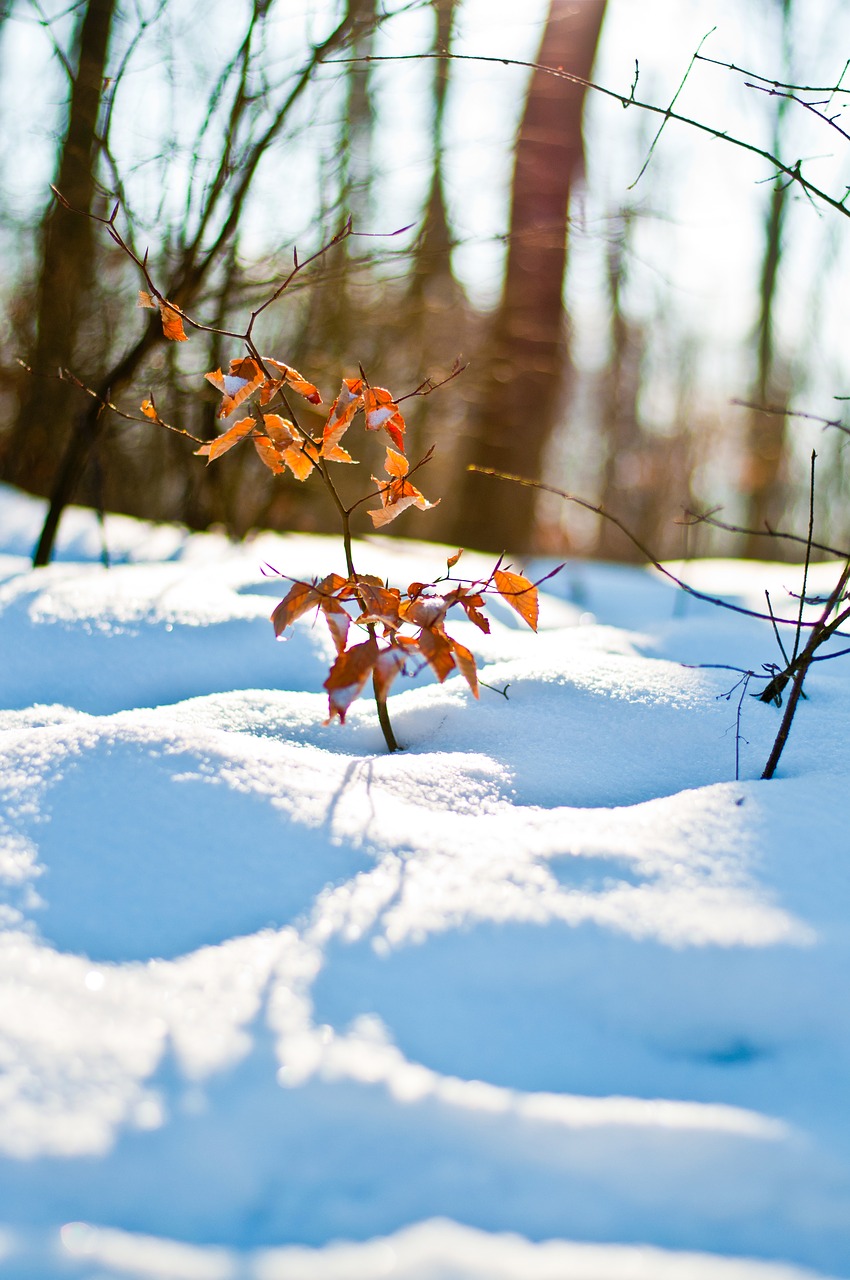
[{"x": 615, "y": 296}]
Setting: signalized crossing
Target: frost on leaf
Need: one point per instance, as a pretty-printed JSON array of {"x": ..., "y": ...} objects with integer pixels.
[
  {"x": 348, "y": 675},
  {"x": 172, "y": 323},
  {"x": 242, "y": 381},
  {"x": 342, "y": 411},
  {"x": 390, "y": 662},
  {"x": 399, "y": 493},
  {"x": 237, "y": 432},
  {"x": 519, "y": 593},
  {"x": 382, "y": 413}
]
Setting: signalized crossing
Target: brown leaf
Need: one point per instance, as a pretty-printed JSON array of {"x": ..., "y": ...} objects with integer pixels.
[
  {"x": 342, "y": 411},
  {"x": 382, "y": 413},
  {"x": 452, "y": 560},
  {"x": 424, "y": 611},
  {"x": 396, "y": 464},
  {"x": 519, "y": 593},
  {"x": 147, "y": 300},
  {"x": 379, "y": 604},
  {"x": 347, "y": 677},
  {"x": 389, "y": 664},
  {"x": 172, "y": 323},
  {"x": 465, "y": 664},
  {"x": 471, "y": 603},
  {"x": 237, "y": 432},
  {"x": 338, "y": 621},
  {"x": 242, "y": 381},
  {"x": 396, "y": 497},
  {"x": 292, "y": 378},
  {"x": 300, "y": 597},
  {"x": 269, "y": 455},
  {"x": 436, "y": 649},
  {"x": 284, "y": 447}
]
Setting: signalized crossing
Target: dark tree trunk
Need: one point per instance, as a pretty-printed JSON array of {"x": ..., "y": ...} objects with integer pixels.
[
  {"x": 36, "y": 441},
  {"x": 515, "y": 415}
]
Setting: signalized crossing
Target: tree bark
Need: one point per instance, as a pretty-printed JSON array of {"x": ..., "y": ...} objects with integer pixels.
[
  {"x": 43, "y": 425},
  {"x": 516, "y": 413}
]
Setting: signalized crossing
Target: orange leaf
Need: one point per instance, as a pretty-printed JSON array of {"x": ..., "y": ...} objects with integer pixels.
[
  {"x": 380, "y": 604},
  {"x": 465, "y": 665},
  {"x": 237, "y": 432},
  {"x": 337, "y": 619},
  {"x": 296, "y": 453},
  {"x": 519, "y": 593},
  {"x": 452, "y": 560},
  {"x": 148, "y": 408},
  {"x": 292, "y": 378},
  {"x": 389, "y": 664},
  {"x": 300, "y": 597},
  {"x": 396, "y": 497},
  {"x": 172, "y": 323},
  {"x": 269, "y": 455},
  {"x": 341, "y": 413},
  {"x": 244, "y": 378},
  {"x": 424, "y": 611},
  {"x": 436, "y": 648},
  {"x": 382, "y": 412},
  {"x": 347, "y": 677},
  {"x": 471, "y": 605},
  {"x": 396, "y": 463}
]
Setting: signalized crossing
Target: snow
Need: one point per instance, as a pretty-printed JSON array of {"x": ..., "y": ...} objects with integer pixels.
[{"x": 549, "y": 995}]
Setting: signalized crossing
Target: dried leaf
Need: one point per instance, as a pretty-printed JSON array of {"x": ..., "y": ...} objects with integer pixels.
[
  {"x": 389, "y": 664},
  {"x": 300, "y": 597},
  {"x": 452, "y": 560},
  {"x": 295, "y": 452},
  {"x": 338, "y": 621},
  {"x": 347, "y": 677},
  {"x": 237, "y": 432},
  {"x": 341, "y": 413},
  {"x": 291, "y": 378},
  {"x": 471, "y": 603},
  {"x": 269, "y": 455},
  {"x": 424, "y": 611},
  {"x": 519, "y": 593},
  {"x": 399, "y": 494},
  {"x": 396, "y": 464},
  {"x": 382, "y": 413},
  {"x": 436, "y": 649},
  {"x": 242, "y": 381},
  {"x": 465, "y": 664},
  {"x": 379, "y": 604},
  {"x": 147, "y": 300},
  {"x": 172, "y": 323},
  {"x": 148, "y": 408}
]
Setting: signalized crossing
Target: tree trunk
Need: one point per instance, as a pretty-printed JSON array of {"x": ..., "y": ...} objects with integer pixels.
[
  {"x": 516, "y": 413},
  {"x": 37, "y": 439}
]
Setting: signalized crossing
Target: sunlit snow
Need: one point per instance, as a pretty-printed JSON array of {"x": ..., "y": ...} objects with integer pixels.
[{"x": 549, "y": 995}]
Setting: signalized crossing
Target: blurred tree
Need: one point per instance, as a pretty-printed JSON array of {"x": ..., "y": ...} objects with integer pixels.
[
  {"x": 764, "y": 480},
  {"x": 526, "y": 356},
  {"x": 66, "y": 268}
]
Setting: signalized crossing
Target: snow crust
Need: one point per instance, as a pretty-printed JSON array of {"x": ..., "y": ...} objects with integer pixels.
[{"x": 550, "y": 993}]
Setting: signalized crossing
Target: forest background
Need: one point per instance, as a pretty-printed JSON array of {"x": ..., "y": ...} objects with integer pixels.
[{"x": 611, "y": 311}]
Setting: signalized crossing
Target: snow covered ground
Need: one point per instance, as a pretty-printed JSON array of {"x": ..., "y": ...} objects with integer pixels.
[{"x": 547, "y": 996}]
